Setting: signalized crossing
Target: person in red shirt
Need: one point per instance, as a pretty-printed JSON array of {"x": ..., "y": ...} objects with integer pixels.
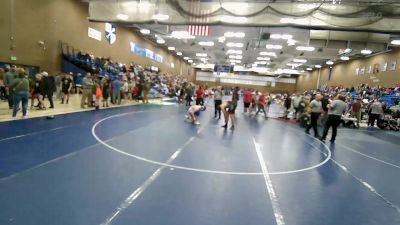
[
  {"x": 356, "y": 110},
  {"x": 136, "y": 93},
  {"x": 262, "y": 102},
  {"x": 200, "y": 96},
  {"x": 247, "y": 99}
]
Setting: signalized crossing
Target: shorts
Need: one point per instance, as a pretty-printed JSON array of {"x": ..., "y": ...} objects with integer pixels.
[
  {"x": 231, "y": 107},
  {"x": 247, "y": 104}
]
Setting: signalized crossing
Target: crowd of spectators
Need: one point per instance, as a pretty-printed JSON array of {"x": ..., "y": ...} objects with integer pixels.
[
  {"x": 376, "y": 106},
  {"x": 133, "y": 84}
]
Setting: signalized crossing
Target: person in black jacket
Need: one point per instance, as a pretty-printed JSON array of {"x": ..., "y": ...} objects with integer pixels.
[
  {"x": 324, "y": 104},
  {"x": 287, "y": 104},
  {"x": 49, "y": 84}
]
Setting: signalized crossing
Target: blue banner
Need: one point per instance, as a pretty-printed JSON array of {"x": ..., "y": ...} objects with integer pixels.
[{"x": 140, "y": 50}]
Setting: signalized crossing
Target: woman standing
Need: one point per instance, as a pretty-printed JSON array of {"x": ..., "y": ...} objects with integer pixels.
[{"x": 20, "y": 85}]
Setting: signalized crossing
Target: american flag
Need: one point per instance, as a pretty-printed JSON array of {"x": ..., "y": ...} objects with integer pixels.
[{"x": 196, "y": 30}]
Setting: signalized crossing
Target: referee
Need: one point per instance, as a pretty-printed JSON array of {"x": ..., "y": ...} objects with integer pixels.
[{"x": 335, "y": 111}]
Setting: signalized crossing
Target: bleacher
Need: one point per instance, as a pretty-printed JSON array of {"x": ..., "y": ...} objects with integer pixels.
[{"x": 78, "y": 62}]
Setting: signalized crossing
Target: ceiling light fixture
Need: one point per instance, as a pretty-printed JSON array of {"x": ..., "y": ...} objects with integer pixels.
[
  {"x": 160, "y": 17},
  {"x": 145, "y": 31},
  {"x": 281, "y": 36},
  {"x": 291, "y": 42},
  {"x": 201, "y": 54},
  {"x": 231, "y": 34},
  {"x": 234, "y": 45},
  {"x": 181, "y": 34},
  {"x": 347, "y": 50},
  {"x": 344, "y": 58},
  {"x": 318, "y": 66},
  {"x": 186, "y": 58},
  {"x": 221, "y": 39},
  {"x": 309, "y": 69},
  {"x": 122, "y": 16},
  {"x": 160, "y": 41},
  {"x": 366, "y": 51},
  {"x": 277, "y": 47},
  {"x": 395, "y": 42},
  {"x": 206, "y": 43},
  {"x": 329, "y": 62},
  {"x": 171, "y": 48},
  {"x": 305, "y": 48},
  {"x": 300, "y": 60},
  {"x": 179, "y": 53},
  {"x": 263, "y": 58},
  {"x": 272, "y": 54},
  {"x": 293, "y": 64},
  {"x": 190, "y": 61},
  {"x": 233, "y": 51}
]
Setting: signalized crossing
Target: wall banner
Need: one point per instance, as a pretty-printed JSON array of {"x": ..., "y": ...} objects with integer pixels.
[
  {"x": 110, "y": 32},
  {"x": 144, "y": 52},
  {"x": 95, "y": 34}
]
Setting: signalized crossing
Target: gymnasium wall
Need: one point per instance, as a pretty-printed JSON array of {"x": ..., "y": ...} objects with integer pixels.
[
  {"x": 345, "y": 73},
  {"x": 67, "y": 20}
]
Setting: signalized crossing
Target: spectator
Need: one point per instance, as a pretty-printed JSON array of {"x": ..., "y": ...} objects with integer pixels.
[
  {"x": 296, "y": 102},
  {"x": 200, "y": 96},
  {"x": 3, "y": 93},
  {"x": 20, "y": 85},
  {"x": 262, "y": 102},
  {"x": 9, "y": 77},
  {"x": 57, "y": 81},
  {"x": 87, "y": 86},
  {"x": 116, "y": 91},
  {"x": 105, "y": 88},
  {"x": 218, "y": 101},
  {"x": 146, "y": 90},
  {"x": 35, "y": 91},
  {"x": 376, "y": 111},
  {"x": 247, "y": 99},
  {"x": 49, "y": 87},
  {"x": 356, "y": 110},
  {"x": 66, "y": 87}
]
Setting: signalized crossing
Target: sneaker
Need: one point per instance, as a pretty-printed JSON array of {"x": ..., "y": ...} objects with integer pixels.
[
  {"x": 322, "y": 139},
  {"x": 307, "y": 132},
  {"x": 232, "y": 127},
  {"x": 332, "y": 141},
  {"x": 225, "y": 126}
]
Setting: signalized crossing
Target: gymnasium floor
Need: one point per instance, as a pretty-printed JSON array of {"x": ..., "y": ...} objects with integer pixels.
[{"x": 144, "y": 165}]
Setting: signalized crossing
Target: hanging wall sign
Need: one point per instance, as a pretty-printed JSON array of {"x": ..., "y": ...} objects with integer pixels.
[
  {"x": 142, "y": 51},
  {"x": 110, "y": 32},
  {"x": 95, "y": 34}
]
